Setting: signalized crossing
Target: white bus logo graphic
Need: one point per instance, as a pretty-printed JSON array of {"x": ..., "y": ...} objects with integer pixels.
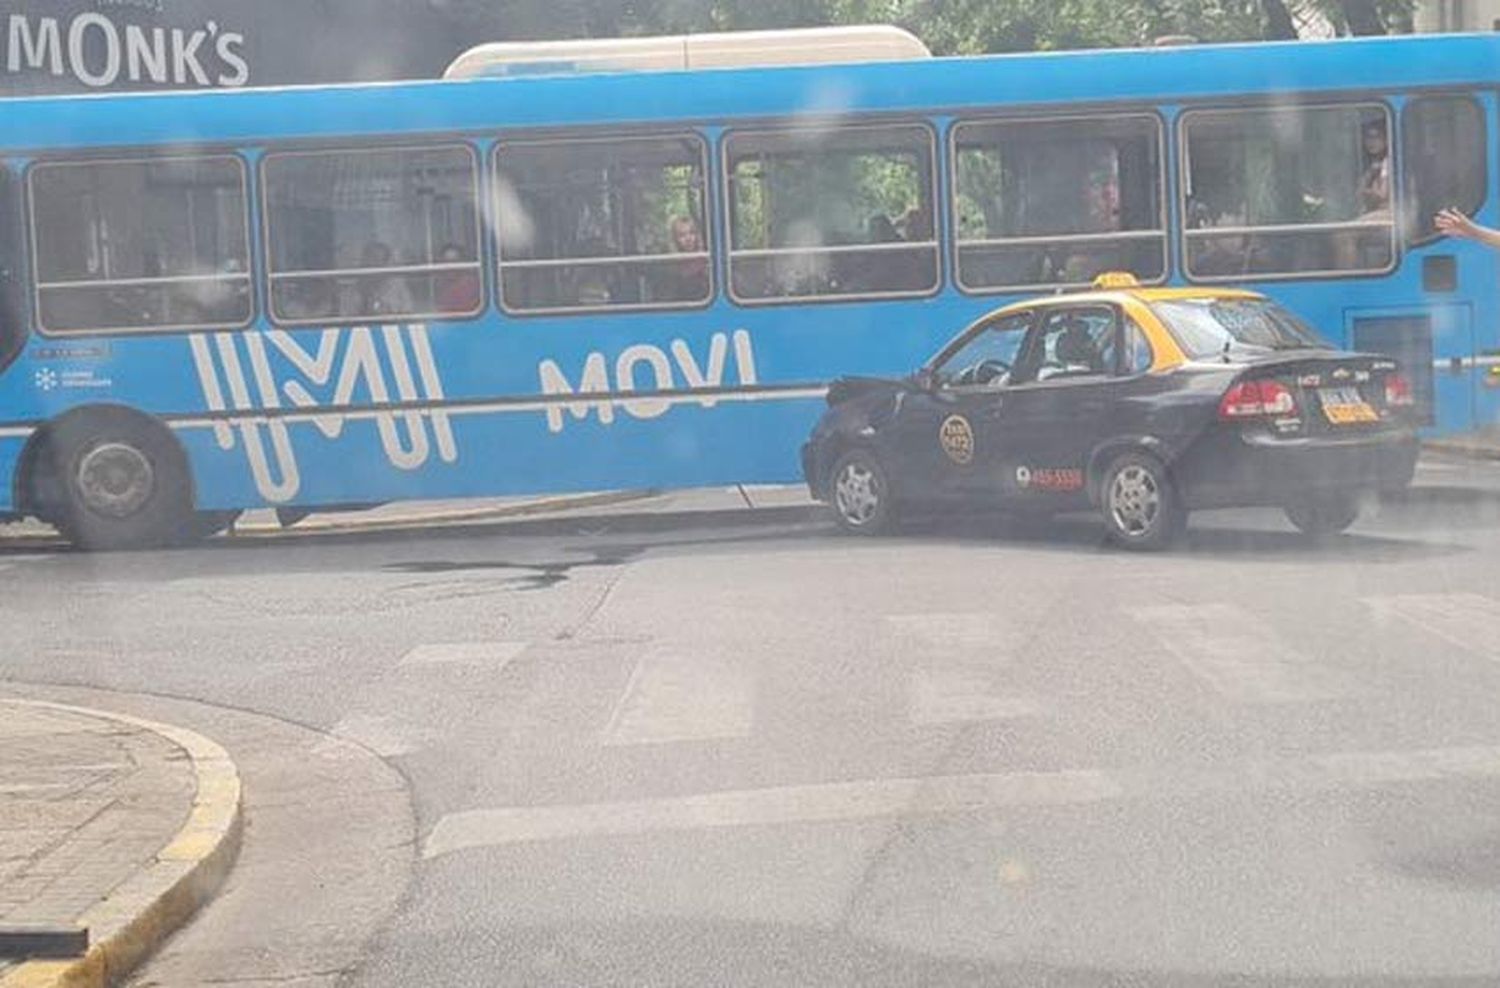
[{"x": 349, "y": 361}]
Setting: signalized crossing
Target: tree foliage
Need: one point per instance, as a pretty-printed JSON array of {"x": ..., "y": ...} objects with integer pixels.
[{"x": 948, "y": 26}]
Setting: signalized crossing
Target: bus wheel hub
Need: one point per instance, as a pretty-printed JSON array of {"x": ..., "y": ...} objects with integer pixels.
[{"x": 115, "y": 480}]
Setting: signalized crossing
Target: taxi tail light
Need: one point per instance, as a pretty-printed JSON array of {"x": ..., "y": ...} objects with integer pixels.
[
  {"x": 1398, "y": 392},
  {"x": 1257, "y": 399}
]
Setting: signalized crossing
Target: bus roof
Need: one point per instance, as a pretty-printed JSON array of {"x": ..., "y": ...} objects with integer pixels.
[
  {"x": 806, "y": 46},
  {"x": 1155, "y": 76}
]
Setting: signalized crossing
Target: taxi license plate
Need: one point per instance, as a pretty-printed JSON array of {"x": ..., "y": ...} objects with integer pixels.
[{"x": 1344, "y": 406}]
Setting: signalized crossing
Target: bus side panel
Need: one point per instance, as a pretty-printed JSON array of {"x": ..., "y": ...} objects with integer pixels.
[
  {"x": 11, "y": 448},
  {"x": 526, "y": 405},
  {"x": 1485, "y": 371},
  {"x": 587, "y": 446}
]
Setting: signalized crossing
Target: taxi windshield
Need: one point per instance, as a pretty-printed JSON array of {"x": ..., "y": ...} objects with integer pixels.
[{"x": 1206, "y": 327}]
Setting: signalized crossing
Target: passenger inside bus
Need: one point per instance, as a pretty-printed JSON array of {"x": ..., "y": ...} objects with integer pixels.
[
  {"x": 306, "y": 298},
  {"x": 915, "y": 225},
  {"x": 222, "y": 300},
  {"x": 876, "y": 271},
  {"x": 456, "y": 291},
  {"x": 378, "y": 291},
  {"x": 683, "y": 279},
  {"x": 1367, "y": 248},
  {"x": 590, "y": 284}
]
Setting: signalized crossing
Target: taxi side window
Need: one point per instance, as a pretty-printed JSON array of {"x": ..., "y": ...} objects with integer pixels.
[
  {"x": 1137, "y": 358},
  {"x": 988, "y": 357},
  {"x": 1070, "y": 343}
]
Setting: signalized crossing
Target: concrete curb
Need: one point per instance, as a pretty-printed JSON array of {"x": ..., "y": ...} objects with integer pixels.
[
  {"x": 418, "y": 520},
  {"x": 1466, "y": 450},
  {"x": 140, "y": 914},
  {"x": 414, "y": 521}
]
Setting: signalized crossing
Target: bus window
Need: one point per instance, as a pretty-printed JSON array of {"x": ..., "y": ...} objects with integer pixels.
[
  {"x": 373, "y": 233},
  {"x": 12, "y": 326},
  {"x": 832, "y": 212},
  {"x": 1443, "y": 140},
  {"x": 602, "y": 223},
  {"x": 1290, "y": 192},
  {"x": 1057, "y": 202},
  {"x": 140, "y": 244}
]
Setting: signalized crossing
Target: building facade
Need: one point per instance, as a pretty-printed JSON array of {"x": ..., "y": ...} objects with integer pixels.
[{"x": 1457, "y": 15}]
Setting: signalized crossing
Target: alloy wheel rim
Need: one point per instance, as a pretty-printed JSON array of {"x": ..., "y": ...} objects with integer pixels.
[
  {"x": 115, "y": 480},
  {"x": 857, "y": 493},
  {"x": 1135, "y": 501}
]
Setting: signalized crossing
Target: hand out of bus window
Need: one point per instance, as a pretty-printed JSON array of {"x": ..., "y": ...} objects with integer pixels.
[{"x": 1454, "y": 223}]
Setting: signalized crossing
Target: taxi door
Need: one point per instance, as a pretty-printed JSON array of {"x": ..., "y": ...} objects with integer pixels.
[
  {"x": 1067, "y": 385},
  {"x": 949, "y": 435}
]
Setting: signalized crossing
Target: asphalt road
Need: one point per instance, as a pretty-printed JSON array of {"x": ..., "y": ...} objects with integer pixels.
[{"x": 759, "y": 753}]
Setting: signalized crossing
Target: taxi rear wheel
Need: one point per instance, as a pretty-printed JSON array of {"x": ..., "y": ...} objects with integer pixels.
[
  {"x": 1140, "y": 506},
  {"x": 1323, "y": 516},
  {"x": 860, "y": 494}
]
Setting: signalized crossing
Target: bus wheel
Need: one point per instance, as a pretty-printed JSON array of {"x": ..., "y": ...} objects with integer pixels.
[{"x": 121, "y": 482}]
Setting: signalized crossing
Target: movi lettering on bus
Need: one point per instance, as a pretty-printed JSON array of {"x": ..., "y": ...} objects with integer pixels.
[
  {"x": 597, "y": 395},
  {"x": 345, "y": 363},
  {"x": 345, "y": 376},
  {"x": 98, "y": 52}
]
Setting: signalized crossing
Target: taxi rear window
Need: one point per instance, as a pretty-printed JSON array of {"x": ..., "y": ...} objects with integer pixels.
[{"x": 1207, "y": 327}]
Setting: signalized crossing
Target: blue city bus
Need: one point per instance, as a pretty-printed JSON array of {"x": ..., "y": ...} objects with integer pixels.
[{"x": 307, "y": 298}]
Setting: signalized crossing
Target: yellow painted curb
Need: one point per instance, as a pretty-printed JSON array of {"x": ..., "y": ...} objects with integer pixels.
[{"x": 148, "y": 907}]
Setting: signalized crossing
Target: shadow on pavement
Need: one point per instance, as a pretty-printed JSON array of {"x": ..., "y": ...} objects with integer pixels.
[
  {"x": 689, "y": 952},
  {"x": 1082, "y": 533},
  {"x": 1445, "y": 511},
  {"x": 1442, "y": 507},
  {"x": 1473, "y": 864}
]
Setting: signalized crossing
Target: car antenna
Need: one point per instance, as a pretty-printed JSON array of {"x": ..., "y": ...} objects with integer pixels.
[{"x": 1228, "y": 342}]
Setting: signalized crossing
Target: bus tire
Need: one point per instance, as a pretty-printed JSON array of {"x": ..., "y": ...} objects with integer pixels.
[{"x": 120, "y": 481}]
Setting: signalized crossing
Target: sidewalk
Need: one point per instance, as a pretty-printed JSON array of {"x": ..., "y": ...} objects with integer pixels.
[
  {"x": 1482, "y": 444},
  {"x": 110, "y": 823}
]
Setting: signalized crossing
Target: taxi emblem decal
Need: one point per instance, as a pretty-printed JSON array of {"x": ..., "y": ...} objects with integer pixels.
[{"x": 957, "y": 437}]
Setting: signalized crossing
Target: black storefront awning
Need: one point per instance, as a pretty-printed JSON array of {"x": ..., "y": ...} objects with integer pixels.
[{"x": 78, "y": 46}]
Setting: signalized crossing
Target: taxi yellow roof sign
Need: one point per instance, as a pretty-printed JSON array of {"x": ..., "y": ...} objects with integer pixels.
[{"x": 1116, "y": 279}]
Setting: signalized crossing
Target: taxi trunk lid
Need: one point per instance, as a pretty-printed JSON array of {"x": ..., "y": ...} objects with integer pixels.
[{"x": 1333, "y": 392}]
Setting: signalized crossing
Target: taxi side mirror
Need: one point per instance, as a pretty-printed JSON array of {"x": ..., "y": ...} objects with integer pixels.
[{"x": 925, "y": 379}]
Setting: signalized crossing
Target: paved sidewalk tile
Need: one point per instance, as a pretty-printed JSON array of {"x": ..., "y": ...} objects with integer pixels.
[{"x": 85, "y": 804}]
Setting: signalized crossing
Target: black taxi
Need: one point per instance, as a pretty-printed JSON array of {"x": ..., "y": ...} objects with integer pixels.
[{"x": 1142, "y": 403}]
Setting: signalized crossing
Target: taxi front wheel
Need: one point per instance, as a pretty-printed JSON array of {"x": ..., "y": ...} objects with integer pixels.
[
  {"x": 860, "y": 494},
  {"x": 1140, "y": 506}
]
